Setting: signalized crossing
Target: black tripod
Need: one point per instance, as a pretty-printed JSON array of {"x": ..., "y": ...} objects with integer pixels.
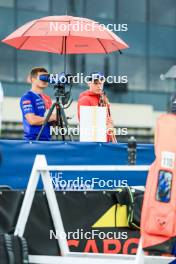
[{"x": 62, "y": 98}]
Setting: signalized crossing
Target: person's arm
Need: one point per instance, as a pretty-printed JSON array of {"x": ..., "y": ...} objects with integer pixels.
[
  {"x": 28, "y": 112},
  {"x": 35, "y": 120}
]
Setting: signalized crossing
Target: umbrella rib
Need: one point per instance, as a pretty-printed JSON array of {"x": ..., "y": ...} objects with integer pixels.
[
  {"x": 62, "y": 46},
  {"x": 25, "y": 40},
  {"x": 62, "y": 52},
  {"x": 102, "y": 45},
  {"x": 117, "y": 45},
  {"x": 27, "y": 36}
]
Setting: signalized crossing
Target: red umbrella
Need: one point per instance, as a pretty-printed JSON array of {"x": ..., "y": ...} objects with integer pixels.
[{"x": 65, "y": 35}]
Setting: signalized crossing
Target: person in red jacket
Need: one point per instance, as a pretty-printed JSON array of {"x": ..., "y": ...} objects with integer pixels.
[{"x": 95, "y": 96}]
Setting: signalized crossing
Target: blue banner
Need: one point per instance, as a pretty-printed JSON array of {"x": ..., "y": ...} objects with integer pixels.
[{"x": 18, "y": 158}]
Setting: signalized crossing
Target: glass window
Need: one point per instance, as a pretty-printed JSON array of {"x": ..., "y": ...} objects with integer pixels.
[
  {"x": 95, "y": 62},
  {"x": 57, "y": 64},
  {"x": 101, "y": 62},
  {"x": 135, "y": 37},
  {"x": 75, "y": 7},
  {"x": 33, "y": 4},
  {"x": 80, "y": 63},
  {"x": 7, "y": 22},
  {"x": 59, "y": 7},
  {"x": 134, "y": 10},
  {"x": 135, "y": 70},
  {"x": 73, "y": 64},
  {"x": 7, "y": 3},
  {"x": 110, "y": 64},
  {"x": 79, "y": 8},
  {"x": 85, "y": 64},
  {"x": 163, "y": 13},
  {"x": 156, "y": 68},
  {"x": 71, "y": 7},
  {"x": 103, "y": 9},
  {"x": 26, "y": 16},
  {"x": 29, "y": 59},
  {"x": 162, "y": 41},
  {"x": 7, "y": 63}
]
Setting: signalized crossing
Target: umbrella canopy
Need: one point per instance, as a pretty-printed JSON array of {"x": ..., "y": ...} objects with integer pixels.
[{"x": 65, "y": 35}]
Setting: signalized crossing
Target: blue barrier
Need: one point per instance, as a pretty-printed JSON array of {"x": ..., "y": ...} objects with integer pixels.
[{"x": 18, "y": 157}]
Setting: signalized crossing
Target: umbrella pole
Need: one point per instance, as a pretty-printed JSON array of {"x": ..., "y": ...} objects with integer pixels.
[
  {"x": 65, "y": 61},
  {"x": 65, "y": 58}
]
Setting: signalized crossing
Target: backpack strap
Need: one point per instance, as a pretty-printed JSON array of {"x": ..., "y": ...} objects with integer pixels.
[
  {"x": 125, "y": 196},
  {"x": 10, "y": 253},
  {"x": 131, "y": 209}
]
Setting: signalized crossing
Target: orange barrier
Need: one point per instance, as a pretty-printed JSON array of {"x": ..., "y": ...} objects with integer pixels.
[{"x": 158, "y": 221}]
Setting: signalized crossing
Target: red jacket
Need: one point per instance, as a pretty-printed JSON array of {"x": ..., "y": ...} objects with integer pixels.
[
  {"x": 88, "y": 98},
  {"x": 47, "y": 100}
]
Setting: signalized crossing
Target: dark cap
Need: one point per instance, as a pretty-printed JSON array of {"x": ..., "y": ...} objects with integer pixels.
[{"x": 96, "y": 76}]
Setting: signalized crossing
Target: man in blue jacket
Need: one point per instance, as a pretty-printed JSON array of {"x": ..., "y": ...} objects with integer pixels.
[{"x": 34, "y": 105}]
